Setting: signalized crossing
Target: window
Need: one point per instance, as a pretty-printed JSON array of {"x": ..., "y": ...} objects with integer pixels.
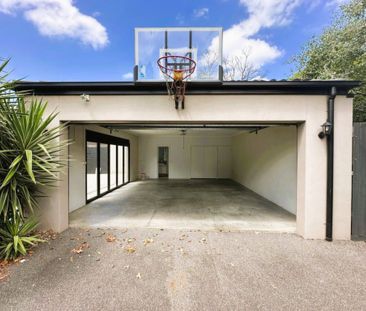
[
  {"x": 107, "y": 164},
  {"x": 91, "y": 170},
  {"x": 103, "y": 169},
  {"x": 126, "y": 165},
  {"x": 120, "y": 165},
  {"x": 112, "y": 166}
]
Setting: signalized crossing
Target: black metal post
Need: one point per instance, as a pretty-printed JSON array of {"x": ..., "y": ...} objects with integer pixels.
[
  {"x": 166, "y": 48},
  {"x": 330, "y": 166}
]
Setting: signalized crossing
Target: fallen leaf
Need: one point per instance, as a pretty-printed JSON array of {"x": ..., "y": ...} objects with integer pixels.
[
  {"x": 130, "y": 249},
  {"x": 148, "y": 241},
  {"x": 81, "y": 248},
  {"x": 110, "y": 238},
  {"x": 72, "y": 259},
  {"x": 130, "y": 240}
]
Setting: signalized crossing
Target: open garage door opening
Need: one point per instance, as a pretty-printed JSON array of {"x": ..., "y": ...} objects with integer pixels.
[{"x": 184, "y": 176}]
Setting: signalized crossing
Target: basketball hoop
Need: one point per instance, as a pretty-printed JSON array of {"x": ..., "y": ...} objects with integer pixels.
[{"x": 176, "y": 70}]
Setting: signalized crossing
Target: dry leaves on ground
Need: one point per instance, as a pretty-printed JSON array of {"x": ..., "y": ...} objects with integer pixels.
[
  {"x": 111, "y": 238},
  {"x": 130, "y": 249},
  {"x": 4, "y": 273},
  {"x": 80, "y": 248},
  {"x": 148, "y": 241},
  {"x": 47, "y": 235}
]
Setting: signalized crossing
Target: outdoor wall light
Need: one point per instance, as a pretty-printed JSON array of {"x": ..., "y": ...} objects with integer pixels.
[
  {"x": 326, "y": 130},
  {"x": 85, "y": 97}
]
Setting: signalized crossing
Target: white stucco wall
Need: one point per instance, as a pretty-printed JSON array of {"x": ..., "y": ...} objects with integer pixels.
[
  {"x": 267, "y": 162},
  {"x": 78, "y": 162},
  {"x": 309, "y": 111},
  {"x": 179, "y": 153}
]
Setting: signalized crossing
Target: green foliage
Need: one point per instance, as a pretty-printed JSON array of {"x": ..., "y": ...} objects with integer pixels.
[
  {"x": 339, "y": 53},
  {"x": 30, "y": 159},
  {"x": 16, "y": 238}
]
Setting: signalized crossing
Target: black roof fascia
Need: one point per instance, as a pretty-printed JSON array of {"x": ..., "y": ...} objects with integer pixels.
[{"x": 307, "y": 87}]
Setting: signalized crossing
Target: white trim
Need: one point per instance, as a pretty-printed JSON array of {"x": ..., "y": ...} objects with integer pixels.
[{"x": 140, "y": 29}]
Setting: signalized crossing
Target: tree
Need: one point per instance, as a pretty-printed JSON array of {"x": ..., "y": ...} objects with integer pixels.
[
  {"x": 235, "y": 67},
  {"x": 339, "y": 53},
  {"x": 239, "y": 67}
]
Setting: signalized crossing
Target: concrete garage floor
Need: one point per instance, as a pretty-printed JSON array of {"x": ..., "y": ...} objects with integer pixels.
[
  {"x": 183, "y": 270},
  {"x": 184, "y": 204}
]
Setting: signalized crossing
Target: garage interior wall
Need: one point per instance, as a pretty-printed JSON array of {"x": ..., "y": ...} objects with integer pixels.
[
  {"x": 266, "y": 163},
  {"x": 184, "y": 151},
  {"x": 77, "y": 163}
]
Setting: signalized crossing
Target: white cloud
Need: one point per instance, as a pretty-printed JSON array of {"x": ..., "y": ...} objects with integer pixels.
[
  {"x": 242, "y": 36},
  {"x": 203, "y": 12},
  {"x": 59, "y": 18},
  {"x": 128, "y": 76}
]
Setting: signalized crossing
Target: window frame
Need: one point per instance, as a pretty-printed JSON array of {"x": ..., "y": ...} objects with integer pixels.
[{"x": 99, "y": 138}]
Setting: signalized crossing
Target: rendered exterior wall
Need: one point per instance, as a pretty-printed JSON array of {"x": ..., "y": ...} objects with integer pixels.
[
  {"x": 308, "y": 111},
  {"x": 266, "y": 163}
]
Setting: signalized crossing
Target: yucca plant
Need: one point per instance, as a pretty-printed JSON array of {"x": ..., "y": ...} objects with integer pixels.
[
  {"x": 16, "y": 237},
  {"x": 30, "y": 159},
  {"x": 29, "y": 156}
]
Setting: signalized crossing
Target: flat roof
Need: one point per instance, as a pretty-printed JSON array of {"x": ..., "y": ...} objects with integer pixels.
[{"x": 273, "y": 87}]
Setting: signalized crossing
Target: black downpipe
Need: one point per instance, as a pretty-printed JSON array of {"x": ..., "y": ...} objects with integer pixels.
[{"x": 330, "y": 165}]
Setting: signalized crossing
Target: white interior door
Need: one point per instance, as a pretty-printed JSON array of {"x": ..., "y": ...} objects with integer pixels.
[{"x": 224, "y": 161}]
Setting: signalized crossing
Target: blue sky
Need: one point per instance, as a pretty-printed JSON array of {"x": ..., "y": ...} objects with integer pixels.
[{"x": 93, "y": 40}]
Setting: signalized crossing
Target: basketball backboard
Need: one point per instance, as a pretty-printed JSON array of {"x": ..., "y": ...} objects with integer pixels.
[{"x": 203, "y": 45}]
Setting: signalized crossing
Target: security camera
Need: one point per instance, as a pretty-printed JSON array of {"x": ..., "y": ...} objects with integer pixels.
[{"x": 85, "y": 97}]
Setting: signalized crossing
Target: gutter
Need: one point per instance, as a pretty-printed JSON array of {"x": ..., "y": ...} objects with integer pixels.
[{"x": 330, "y": 164}]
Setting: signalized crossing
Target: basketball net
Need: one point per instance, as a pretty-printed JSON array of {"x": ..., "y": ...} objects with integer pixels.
[
  {"x": 176, "y": 88},
  {"x": 175, "y": 78}
]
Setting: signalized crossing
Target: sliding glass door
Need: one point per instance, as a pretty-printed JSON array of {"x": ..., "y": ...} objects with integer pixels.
[
  {"x": 113, "y": 166},
  {"x": 126, "y": 162},
  {"x": 91, "y": 169},
  {"x": 103, "y": 168},
  {"x": 107, "y": 164},
  {"x": 120, "y": 165}
]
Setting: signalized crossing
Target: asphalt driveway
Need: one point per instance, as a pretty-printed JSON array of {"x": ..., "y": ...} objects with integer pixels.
[{"x": 152, "y": 269}]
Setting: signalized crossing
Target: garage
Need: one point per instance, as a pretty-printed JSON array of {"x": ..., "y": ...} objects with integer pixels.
[
  {"x": 180, "y": 176},
  {"x": 246, "y": 155}
]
